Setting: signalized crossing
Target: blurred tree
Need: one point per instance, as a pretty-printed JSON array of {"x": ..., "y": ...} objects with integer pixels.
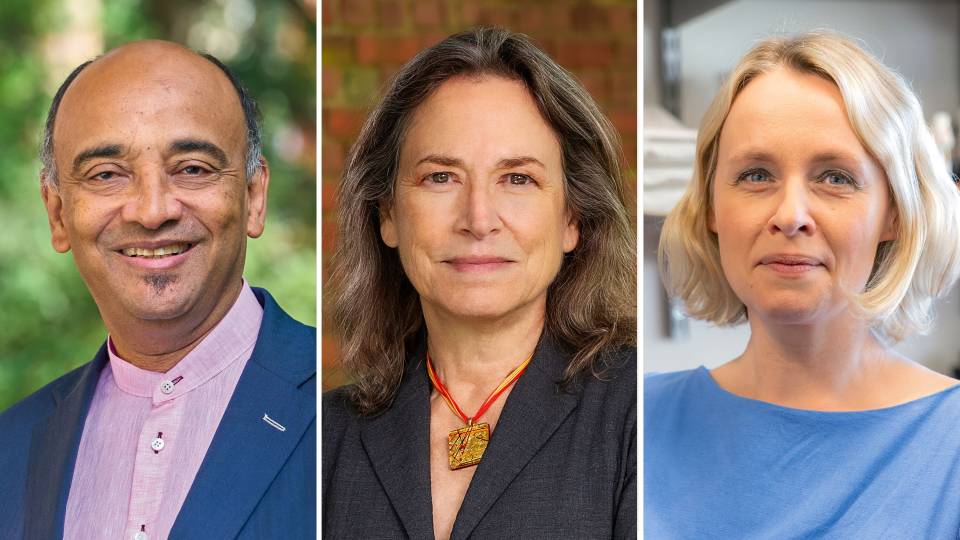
[{"x": 48, "y": 322}]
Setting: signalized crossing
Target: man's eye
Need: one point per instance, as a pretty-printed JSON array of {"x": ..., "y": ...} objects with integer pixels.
[
  {"x": 439, "y": 177},
  {"x": 105, "y": 175},
  {"x": 193, "y": 170},
  {"x": 518, "y": 179}
]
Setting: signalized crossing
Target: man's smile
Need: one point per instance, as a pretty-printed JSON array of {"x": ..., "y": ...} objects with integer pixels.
[{"x": 162, "y": 251}]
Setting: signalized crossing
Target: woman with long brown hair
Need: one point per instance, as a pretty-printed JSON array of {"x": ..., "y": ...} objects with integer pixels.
[{"x": 484, "y": 296}]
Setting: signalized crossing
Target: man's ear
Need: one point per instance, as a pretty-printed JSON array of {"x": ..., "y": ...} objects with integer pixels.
[
  {"x": 257, "y": 199},
  {"x": 388, "y": 228},
  {"x": 52, "y": 201}
]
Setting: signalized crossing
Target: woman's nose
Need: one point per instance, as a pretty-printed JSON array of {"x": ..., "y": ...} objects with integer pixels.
[
  {"x": 480, "y": 217},
  {"x": 792, "y": 214}
]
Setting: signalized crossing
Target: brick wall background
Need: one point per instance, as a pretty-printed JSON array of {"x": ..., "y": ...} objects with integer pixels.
[{"x": 364, "y": 42}]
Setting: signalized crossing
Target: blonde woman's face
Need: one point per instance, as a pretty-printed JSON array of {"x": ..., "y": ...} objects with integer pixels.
[
  {"x": 800, "y": 206},
  {"x": 478, "y": 217}
]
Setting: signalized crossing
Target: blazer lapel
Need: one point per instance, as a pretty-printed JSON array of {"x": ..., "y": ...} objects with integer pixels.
[
  {"x": 398, "y": 445},
  {"x": 533, "y": 411},
  {"x": 53, "y": 453},
  {"x": 247, "y": 450}
]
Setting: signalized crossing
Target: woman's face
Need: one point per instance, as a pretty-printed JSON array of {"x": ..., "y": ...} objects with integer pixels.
[
  {"x": 799, "y": 205},
  {"x": 479, "y": 217}
]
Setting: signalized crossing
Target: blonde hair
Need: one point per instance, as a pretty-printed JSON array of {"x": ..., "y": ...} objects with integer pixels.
[{"x": 909, "y": 273}]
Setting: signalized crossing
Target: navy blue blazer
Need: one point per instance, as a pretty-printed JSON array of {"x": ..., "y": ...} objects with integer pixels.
[
  {"x": 255, "y": 481},
  {"x": 561, "y": 464}
]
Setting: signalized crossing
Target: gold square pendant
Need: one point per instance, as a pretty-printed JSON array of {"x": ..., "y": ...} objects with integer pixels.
[{"x": 465, "y": 446}]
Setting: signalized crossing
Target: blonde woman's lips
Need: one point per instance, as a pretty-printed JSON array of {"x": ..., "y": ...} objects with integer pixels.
[{"x": 790, "y": 264}]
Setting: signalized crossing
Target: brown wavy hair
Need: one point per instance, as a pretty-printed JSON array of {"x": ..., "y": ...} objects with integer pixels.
[{"x": 591, "y": 305}]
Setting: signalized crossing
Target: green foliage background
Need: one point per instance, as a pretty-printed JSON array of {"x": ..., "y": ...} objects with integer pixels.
[{"x": 48, "y": 322}]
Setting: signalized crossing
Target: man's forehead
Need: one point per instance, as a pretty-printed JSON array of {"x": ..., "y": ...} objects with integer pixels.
[
  {"x": 145, "y": 81},
  {"x": 147, "y": 63}
]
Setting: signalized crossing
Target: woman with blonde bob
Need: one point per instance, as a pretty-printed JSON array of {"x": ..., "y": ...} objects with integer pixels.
[
  {"x": 484, "y": 295},
  {"x": 822, "y": 215}
]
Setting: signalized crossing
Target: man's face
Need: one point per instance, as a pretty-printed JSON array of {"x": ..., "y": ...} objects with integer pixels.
[{"x": 153, "y": 200}]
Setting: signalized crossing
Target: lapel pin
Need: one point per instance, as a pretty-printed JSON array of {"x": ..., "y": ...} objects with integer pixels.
[{"x": 273, "y": 423}]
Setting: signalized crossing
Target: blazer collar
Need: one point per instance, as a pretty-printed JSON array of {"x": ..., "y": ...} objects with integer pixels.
[
  {"x": 397, "y": 441},
  {"x": 53, "y": 451},
  {"x": 248, "y": 451},
  {"x": 244, "y": 456},
  {"x": 534, "y": 410},
  {"x": 398, "y": 445}
]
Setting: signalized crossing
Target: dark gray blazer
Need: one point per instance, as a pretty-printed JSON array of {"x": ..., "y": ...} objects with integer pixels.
[{"x": 559, "y": 464}]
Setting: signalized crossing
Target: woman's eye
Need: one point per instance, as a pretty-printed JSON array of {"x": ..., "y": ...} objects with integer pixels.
[
  {"x": 836, "y": 178},
  {"x": 754, "y": 176},
  {"x": 439, "y": 177},
  {"x": 518, "y": 179}
]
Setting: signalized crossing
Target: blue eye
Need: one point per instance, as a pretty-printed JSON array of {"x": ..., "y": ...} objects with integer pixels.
[
  {"x": 105, "y": 175},
  {"x": 838, "y": 178},
  {"x": 754, "y": 176}
]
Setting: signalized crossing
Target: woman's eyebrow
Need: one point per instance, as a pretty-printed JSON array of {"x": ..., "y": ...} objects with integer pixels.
[
  {"x": 441, "y": 159},
  {"x": 821, "y": 157},
  {"x": 507, "y": 163},
  {"x": 753, "y": 155}
]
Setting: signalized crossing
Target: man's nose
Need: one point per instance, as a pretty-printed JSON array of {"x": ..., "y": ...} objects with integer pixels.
[
  {"x": 792, "y": 214},
  {"x": 153, "y": 201}
]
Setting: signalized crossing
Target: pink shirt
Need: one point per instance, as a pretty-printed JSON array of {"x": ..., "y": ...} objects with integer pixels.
[{"x": 147, "y": 433}]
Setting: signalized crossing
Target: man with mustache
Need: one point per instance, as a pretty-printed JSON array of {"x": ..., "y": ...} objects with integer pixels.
[{"x": 196, "y": 417}]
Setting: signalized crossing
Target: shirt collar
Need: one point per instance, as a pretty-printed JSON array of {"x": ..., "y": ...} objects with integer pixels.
[{"x": 233, "y": 336}]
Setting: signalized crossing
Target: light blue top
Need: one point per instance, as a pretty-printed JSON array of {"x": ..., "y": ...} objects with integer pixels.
[{"x": 717, "y": 465}]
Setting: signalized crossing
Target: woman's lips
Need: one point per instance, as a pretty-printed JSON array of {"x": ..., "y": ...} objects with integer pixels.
[
  {"x": 478, "y": 264},
  {"x": 790, "y": 264}
]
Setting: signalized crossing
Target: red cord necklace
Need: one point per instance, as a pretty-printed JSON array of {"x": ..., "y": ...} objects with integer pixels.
[{"x": 465, "y": 446}]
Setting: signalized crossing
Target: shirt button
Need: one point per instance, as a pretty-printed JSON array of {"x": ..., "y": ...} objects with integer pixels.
[
  {"x": 166, "y": 387},
  {"x": 141, "y": 536},
  {"x": 157, "y": 444}
]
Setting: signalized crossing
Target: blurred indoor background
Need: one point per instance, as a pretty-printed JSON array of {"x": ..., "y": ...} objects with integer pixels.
[
  {"x": 48, "y": 322},
  {"x": 689, "y": 47},
  {"x": 366, "y": 41}
]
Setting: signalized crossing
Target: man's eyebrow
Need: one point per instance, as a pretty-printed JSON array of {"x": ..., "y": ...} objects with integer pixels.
[
  {"x": 199, "y": 145},
  {"x": 104, "y": 150}
]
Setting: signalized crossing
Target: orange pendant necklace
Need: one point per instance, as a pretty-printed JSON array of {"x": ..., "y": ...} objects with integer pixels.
[{"x": 465, "y": 446}]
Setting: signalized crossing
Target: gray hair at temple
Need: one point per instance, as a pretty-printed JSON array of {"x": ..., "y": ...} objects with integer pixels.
[
  {"x": 251, "y": 115},
  {"x": 591, "y": 304}
]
